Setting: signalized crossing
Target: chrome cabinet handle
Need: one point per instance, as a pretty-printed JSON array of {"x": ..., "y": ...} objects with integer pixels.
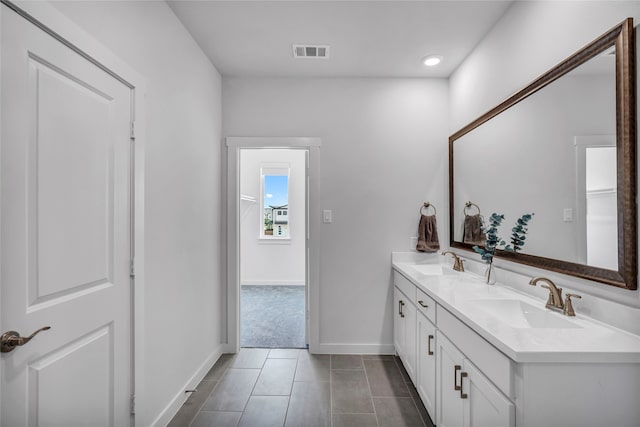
[
  {"x": 12, "y": 339},
  {"x": 456, "y": 368},
  {"x": 429, "y": 351},
  {"x": 463, "y": 395},
  {"x": 423, "y": 304}
]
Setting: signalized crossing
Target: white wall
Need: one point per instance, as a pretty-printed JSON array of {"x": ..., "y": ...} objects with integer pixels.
[
  {"x": 531, "y": 38},
  {"x": 183, "y": 205},
  {"x": 264, "y": 261},
  {"x": 384, "y": 148}
]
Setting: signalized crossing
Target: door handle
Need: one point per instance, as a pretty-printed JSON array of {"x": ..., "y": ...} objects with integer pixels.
[
  {"x": 429, "y": 351},
  {"x": 12, "y": 339},
  {"x": 456, "y": 387}
]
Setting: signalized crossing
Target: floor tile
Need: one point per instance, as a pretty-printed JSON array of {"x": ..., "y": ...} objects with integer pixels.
[
  {"x": 276, "y": 378},
  {"x": 216, "y": 419},
  {"x": 265, "y": 411},
  {"x": 313, "y": 367},
  {"x": 355, "y": 420},
  {"x": 285, "y": 353},
  {"x": 232, "y": 391},
  {"x": 346, "y": 361},
  {"x": 397, "y": 412},
  {"x": 350, "y": 392},
  {"x": 250, "y": 358},
  {"x": 193, "y": 404},
  {"x": 385, "y": 378},
  {"x": 310, "y": 405}
]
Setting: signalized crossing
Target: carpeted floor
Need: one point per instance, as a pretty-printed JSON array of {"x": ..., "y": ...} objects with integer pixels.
[{"x": 272, "y": 316}]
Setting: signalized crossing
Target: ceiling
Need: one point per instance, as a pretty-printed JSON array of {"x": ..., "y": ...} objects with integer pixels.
[{"x": 366, "y": 38}]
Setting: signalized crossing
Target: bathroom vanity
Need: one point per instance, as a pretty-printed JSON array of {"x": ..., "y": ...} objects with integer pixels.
[{"x": 489, "y": 355}]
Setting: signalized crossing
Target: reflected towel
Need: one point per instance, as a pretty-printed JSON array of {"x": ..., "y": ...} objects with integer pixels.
[
  {"x": 427, "y": 234},
  {"x": 472, "y": 232}
]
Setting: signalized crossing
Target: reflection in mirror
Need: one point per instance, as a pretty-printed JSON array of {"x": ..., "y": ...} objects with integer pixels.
[
  {"x": 564, "y": 148},
  {"x": 524, "y": 160}
]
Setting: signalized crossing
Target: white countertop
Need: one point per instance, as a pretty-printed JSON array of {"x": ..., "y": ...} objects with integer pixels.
[{"x": 579, "y": 339}]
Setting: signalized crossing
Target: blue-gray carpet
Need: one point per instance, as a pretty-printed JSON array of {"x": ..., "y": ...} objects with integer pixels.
[{"x": 272, "y": 316}]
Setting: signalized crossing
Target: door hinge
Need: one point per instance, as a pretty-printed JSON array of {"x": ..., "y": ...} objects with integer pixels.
[
  {"x": 132, "y": 272},
  {"x": 133, "y": 404},
  {"x": 132, "y": 132}
]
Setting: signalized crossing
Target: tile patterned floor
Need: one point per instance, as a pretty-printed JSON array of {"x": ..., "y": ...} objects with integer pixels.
[{"x": 293, "y": 388}]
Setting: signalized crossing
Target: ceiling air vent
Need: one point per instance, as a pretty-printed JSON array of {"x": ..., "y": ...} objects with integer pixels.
[{"x": 310, "y": 51}]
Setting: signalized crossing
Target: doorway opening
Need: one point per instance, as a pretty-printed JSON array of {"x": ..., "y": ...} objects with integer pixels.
[{"x": 273, "y": 218}]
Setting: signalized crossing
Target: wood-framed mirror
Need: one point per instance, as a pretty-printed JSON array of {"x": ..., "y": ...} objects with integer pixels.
[{"x": 564, "y": 147}]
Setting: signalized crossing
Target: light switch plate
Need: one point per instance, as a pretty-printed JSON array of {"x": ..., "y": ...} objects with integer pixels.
[
  {"x": 568, "y": 215},
  {"x": 327, "y": 216}
]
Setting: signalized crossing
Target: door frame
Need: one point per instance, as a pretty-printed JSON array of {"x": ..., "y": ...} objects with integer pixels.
[
  {"x": 46, "y": 17},
  {"x": 232, "y": 314}
]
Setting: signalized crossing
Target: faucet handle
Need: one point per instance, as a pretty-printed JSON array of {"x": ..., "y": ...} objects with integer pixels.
[{"x": 568, "y": 305}]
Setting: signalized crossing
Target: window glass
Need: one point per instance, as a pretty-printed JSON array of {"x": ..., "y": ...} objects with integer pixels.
[{"x": 275, "y": 203}]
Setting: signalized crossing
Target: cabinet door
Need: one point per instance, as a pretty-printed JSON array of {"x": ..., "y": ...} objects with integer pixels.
[
  {"x": 427, "y": 364},
  {"x": 398, "y": 322},
  {"x": 449, "y": 363},
  {"x": 484, "y": 404},
  {"x": 410, "y": 340}
]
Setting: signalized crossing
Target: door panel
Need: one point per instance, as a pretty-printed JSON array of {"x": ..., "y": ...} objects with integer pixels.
[
  {"x": 65, "y": 224},
  {"x": 449, "y": 403},
  {"x": 485, "y": 405}
]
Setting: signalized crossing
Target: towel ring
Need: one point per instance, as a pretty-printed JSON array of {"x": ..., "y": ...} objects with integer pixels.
[
  {"x": 427, "y": 205},
  {"x": 469, "y": 205}
]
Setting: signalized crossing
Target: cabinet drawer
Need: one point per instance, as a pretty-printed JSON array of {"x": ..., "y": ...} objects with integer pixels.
[
  {"x": 426, "y": 305},
  {"x": 407, "y": 288},
  {"x": 495, "y": 365}
]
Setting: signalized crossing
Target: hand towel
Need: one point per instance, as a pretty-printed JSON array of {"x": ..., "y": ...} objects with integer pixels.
[
  {"x": 472, "y": 232},
  {"x": 427, "y": 234}
]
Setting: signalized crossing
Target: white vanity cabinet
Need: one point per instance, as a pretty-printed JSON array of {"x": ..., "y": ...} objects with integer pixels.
[
  {"x": 439, "y": 368},
  {"x": 466, "y": 396},
  {"x": 501, "y": 361},
  {"x": 404, "y": 330}
]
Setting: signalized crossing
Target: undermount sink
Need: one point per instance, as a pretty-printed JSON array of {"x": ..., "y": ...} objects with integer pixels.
[
  {"x": 432, "y": 269},
  {"x": 519, "y": 314}
]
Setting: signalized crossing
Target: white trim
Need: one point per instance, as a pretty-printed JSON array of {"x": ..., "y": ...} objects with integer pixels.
[
  {"x": 68, "y": 30},
  {"x": 178, "y": 400},
  {"x": 272, "y": 142},
  {"x": 312, "y": 146},
  {"x": 272, "y": 283}
]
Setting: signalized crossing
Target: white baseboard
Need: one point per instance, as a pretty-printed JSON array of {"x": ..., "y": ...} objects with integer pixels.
[
  {"x": 328, "y": 348},
  {"x": 180, "y": 397},
  {"x": 273, "y": 282}
]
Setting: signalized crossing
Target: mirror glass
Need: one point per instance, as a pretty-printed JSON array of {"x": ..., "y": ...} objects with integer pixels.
[{"x": 556, "y": 149}]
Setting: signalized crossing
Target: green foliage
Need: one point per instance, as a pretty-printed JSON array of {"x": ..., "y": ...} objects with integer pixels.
[{"x": 494, "y": 242}]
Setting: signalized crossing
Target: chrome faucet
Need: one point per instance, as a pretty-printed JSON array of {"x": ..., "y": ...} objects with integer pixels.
[
  {"x": 555, "y": 293},
  {"x": 457, "y": 262}
]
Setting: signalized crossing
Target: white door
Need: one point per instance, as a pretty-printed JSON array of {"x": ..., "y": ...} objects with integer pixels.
[{"x": 65, "y": 223}]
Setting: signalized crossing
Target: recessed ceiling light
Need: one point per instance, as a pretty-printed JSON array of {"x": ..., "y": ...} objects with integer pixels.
[{"x": 432, "y": 60}]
